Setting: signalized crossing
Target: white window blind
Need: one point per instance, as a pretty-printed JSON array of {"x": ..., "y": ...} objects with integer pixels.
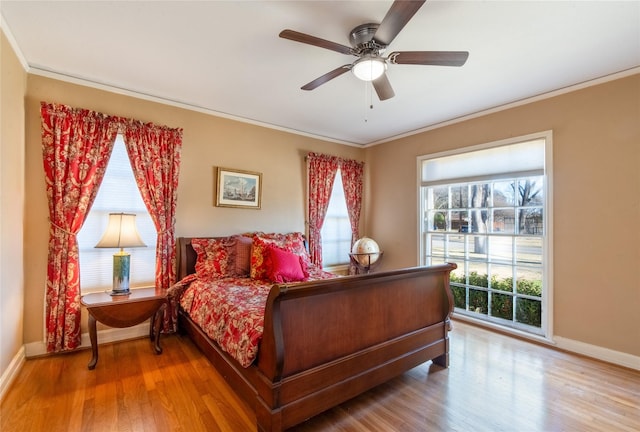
[
  {"x": 336, "y": 229},
  {"x": 118, "y": 193},
  {"x": 504, "y": 161}
]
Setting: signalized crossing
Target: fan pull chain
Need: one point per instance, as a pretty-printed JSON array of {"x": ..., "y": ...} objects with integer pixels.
[{"x": 368, "y": 100}]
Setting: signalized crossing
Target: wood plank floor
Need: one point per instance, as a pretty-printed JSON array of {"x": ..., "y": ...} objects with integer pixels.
[{"x": 495, "y": 383}]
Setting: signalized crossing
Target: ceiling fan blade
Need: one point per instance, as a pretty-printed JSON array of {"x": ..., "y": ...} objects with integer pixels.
[
  {"x": 437, "y": 58},
  {"x": 397, "y": 17},
  {"x": 326, "y": 77},
  {"x": 383, "y": 87},
  {"x": 312, "y": 40}
]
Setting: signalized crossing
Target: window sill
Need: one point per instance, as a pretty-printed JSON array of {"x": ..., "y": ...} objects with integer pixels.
[{"x": 339, "y": 269}]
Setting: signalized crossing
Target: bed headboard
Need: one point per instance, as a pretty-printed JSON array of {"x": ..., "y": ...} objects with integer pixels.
[{"x": 186, "y": 257}]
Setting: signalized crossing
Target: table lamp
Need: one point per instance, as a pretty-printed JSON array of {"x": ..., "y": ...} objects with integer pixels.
[{"x": 121, "y": 233}]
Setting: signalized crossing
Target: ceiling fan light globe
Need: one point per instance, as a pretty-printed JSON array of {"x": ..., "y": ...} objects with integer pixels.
[{"x": 369, "y": 68}]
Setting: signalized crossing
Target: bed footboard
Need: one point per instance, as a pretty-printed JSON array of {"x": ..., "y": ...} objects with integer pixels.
[{"x": 325, "y": 342}]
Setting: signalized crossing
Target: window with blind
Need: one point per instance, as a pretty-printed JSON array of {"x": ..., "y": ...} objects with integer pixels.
[
  {"x": 118, "y": 193},
  {"x": 486, "y": 209},
  {"x": 336, "y": 228}
]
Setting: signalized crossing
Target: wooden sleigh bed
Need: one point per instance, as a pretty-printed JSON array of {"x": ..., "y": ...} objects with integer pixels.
[{"x": 327, "y": 341}]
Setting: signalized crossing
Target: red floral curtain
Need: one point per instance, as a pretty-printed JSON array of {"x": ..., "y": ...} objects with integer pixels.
[
  {"x": 76, "y": 145},
  {"x": 322, "y": 172},
  {"x": 154, "y": 152},
  {"x": 352, "y": 177}
]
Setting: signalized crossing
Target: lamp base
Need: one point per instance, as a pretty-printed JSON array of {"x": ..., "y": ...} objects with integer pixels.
[{"x": 121, "y": 264}]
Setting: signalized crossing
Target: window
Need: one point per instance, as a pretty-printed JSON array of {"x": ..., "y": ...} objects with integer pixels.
[
  {"x": 336, "y": 229},
  {"x": 485, "y": 210},
  {"x": 118, "y": 193}
]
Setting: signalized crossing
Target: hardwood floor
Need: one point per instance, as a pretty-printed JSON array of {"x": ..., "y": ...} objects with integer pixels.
[{"x": 495, "y": 383}]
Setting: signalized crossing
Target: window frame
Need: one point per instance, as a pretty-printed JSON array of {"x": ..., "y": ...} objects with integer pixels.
[{"x": 547, "y": 239}]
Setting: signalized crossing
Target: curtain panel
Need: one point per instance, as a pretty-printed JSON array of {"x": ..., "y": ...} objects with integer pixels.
[
  {"x": 352, "y": 173},
  {"x": 322, "y": 172},
  {"x": 154, "y": 152},
  {"x": 76, "y": 146}
]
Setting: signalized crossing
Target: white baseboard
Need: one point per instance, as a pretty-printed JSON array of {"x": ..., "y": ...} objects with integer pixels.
[
  {"x": 37, "y": 349},
  {"x": 600, "y": 353},
  {"x": 10, "y": 374}
]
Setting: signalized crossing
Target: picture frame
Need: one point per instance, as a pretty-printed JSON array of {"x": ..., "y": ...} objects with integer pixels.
[{"x": 238, "y": 188}]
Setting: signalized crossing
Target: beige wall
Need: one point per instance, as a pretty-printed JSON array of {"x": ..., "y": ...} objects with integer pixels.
[
  {"x": 208, "y": 141},
  {"x": 596, "y": 202},
  {"x": 13, "y": 81}
]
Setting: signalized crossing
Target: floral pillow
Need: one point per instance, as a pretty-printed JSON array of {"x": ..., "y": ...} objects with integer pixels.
[
  {"x": 290, "y": 242},
  {"x": 213, "y": 260},
  {"x": 283, "y": 266}
]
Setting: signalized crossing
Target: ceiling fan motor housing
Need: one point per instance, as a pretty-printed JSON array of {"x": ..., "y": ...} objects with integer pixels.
[{"x": 361, "y": 39}]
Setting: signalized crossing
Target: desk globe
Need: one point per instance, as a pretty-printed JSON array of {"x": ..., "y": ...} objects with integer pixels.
[{"x": 365, "y": 253}]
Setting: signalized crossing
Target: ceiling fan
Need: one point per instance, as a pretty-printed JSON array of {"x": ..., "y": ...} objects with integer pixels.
[{"x": 368, "y": 43}]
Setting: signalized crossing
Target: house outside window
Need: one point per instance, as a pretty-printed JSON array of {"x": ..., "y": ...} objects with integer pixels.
[
  {"x": 118, "y": 193},
  {"x": 486, "y": 209}
]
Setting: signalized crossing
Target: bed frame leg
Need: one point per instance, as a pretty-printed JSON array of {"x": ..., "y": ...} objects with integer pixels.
[
  {"x": 442, "y": 360},
  {"x": 268, "y": 420}
]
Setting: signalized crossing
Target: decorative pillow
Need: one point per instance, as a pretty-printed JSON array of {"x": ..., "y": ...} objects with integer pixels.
[
  {"x": 243, "y": 255},
  {"x": 213, "y": 258},
  {"x": 258, "y": 269},
  {"x": 283, "y": 266},
  {"x": 291, "y": 242}
]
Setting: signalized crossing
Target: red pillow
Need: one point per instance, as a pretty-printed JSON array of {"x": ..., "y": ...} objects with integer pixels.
[
  {"x": 283, "y": 266},
  {"x": 291, "y": 242},
  {"x": 242, "y": 255}
]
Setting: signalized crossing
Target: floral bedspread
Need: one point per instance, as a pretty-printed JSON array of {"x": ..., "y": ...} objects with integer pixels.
[{"x": 231, "y": 312}]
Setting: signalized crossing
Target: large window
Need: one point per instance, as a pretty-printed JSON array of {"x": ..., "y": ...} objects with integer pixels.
[
  {"x": 336, "y": 229},
  {"x": 118, "y": 193},
  {"x": 485, "y": 210}
]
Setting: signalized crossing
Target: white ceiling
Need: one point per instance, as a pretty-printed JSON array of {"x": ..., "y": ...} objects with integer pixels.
[{"x": 225, "y": 57}]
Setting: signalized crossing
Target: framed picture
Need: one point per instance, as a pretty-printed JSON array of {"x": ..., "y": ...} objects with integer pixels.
[{"x": 237, "y": 188}]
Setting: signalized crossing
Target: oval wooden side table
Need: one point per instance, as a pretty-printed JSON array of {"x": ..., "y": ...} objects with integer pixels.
[{"x": 125, "y": 311}]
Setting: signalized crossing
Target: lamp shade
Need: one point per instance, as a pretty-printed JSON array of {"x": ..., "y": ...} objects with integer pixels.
[
  {"x": 121, "y": 232},
  {"x": 369, "y": 68}
]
